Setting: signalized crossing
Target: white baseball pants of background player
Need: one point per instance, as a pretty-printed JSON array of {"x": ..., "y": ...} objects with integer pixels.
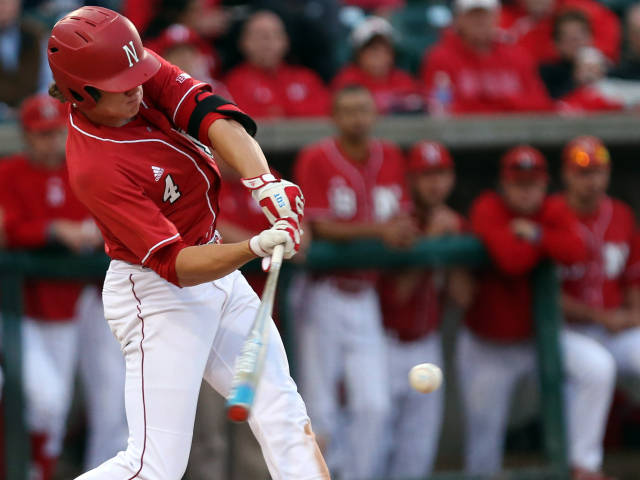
[
  {"x": 416, "y": 418},
  {"x": 341, "y": 338},
  {"x": 51, "y": 352},
  {"x": 173, "y": 337},
  {"x": 624, "y": 346},
  {"x": 488, "y": 373}
]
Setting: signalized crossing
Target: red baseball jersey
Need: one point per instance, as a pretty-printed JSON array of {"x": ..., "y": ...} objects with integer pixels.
[
  {"x": 502, "y": 80},
  {"x": 501, "y": 310},
  {"x": 397, "y": 92},
  {"x": 411, "y": 301},
  {"x": 147, "y": 183},
  {"x": 587, "y": 99},
  {"x": 340, "y": 188},
  {"x": 612, "y": 258},
  {"x": 289, "y": 91},
  {"x": 536, "y": 36},
  {"x": 32, "y": 197}
]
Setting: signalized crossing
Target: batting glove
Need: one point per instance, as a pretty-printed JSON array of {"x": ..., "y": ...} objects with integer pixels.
[
  {"x": 279, "y": 199},
  {"x": 282, "y": 233}
]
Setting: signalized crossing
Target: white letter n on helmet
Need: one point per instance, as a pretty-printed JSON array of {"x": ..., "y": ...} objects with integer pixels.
[{"x": 131, "y": 53}]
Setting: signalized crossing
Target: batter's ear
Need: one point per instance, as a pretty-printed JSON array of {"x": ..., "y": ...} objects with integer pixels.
[{"x": 216, "y": 104}]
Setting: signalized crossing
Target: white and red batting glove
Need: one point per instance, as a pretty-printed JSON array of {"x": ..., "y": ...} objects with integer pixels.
[
  {"x": 282, "y": 233},
  {"x": 279, "y": 199}
]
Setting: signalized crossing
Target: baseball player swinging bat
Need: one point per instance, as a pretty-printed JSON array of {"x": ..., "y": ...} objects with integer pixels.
[{"x": 249, "y": 363}]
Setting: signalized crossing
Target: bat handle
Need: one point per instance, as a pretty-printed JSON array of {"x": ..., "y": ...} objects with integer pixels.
[{"x": 276, "y": 257}]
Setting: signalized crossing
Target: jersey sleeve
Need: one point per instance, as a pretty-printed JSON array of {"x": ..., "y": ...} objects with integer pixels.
[
  {"x": 307, "y": 176},
  {"x": 512, "y": 255},
  {"x": 191, "y": 104},
  {"x": 20, "y": 228},
  {"x": 124, "y": 212}
]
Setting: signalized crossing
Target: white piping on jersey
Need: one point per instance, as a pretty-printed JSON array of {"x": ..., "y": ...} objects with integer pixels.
[
  {"x": 146, "y": 140},
  {"x": 157, "y": 245},
  {"x": 182, "y": 99}
]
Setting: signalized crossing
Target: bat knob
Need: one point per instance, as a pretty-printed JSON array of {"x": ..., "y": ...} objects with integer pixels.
[{"x": 238, "y": 413}]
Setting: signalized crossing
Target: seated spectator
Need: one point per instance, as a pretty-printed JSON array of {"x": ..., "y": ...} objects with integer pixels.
[
  {"x": 393, "y": 90},
  {"x": 183, "y": 47},
  {"x": 520, "y": 226},
  {"x": 41, "y": 210},
  {"x": 23, "y": 60},
  {"x": 530, "y": 24},
  {"x": 589, "y": 70},
  {"x": 571, "y": 32},
  {"x": 412, "y": 303},
  {"x": 471, "y": 71},
  {"x": 354, "y": 186},
  {"x": 265, "y": 86},
  {"x": 629, "y": 67}
]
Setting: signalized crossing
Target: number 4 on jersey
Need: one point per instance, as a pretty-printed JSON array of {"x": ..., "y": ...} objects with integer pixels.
[{"x": 171, "y": 192}]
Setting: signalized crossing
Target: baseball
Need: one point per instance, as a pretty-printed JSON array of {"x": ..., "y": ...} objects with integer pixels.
[{"x": 425, "y": 377}]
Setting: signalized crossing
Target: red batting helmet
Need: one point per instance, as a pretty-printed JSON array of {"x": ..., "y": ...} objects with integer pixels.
[
  {"x": 586, "y": 152},
  {"x": 97, "y": 47},
  {"x": 429, "y": 155},
  {"x": 523, "y": 163}
]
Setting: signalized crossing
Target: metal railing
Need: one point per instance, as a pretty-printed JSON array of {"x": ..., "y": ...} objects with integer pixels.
[{"x": 447, "y": 251}]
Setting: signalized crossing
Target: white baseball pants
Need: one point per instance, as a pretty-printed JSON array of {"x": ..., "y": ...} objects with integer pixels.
[
  {"x": 488, "y": 372},
  {"x": 341, "y": 338},
  {"x": 173, "y": 337},
  {"x": 51, "y": 352},
  {"x": 416, "y": 418},
  {"x": 624, "y": 346}
]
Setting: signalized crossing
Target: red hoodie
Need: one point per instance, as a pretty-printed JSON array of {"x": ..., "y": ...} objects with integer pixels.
[
  {"x": 503, "y": 301},
  {"x": 289, "y": 91},
  {"x": 502, "y": 80},
  {"x": 537, "y": 36}
]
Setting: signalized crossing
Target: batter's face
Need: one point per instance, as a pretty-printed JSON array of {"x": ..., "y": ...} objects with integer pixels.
[
  {"x": 354, "y": 114},
  {"x": 587, "y": 186},
  {"x": 46, "y": 148},
  {"x": 524, "y": 197},
  {"x": 431, "y": 189},
  {"x": 116, "y": 109}
]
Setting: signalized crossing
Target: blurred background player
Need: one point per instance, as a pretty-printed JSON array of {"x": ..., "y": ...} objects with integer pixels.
[
  {"x": 354, "y": 187},
  {"x": 601, "y": 294},
  {"x": 520, "y": 227},
  {"x": 412, "y": 303},
  {"x": 64, "y": 326},
  {"x": 480, "y": 72},
  {"x": 373, "y": 66},
  {"x": 265, "y": 85}
]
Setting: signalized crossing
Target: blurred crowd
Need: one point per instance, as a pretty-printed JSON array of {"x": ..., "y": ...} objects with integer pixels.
[
  {"x": 281, "y": 58},
  {"x": 359, "y": 332}
]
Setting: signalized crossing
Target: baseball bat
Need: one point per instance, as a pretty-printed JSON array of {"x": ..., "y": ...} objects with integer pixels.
[{"x": 250, "y": 361}]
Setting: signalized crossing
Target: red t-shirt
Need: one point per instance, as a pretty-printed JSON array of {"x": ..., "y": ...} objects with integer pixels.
[
  {"x": 339, "y": 188},
  {"x": 289, "y": 91},
  {"x": 501, "y": 310},
  {"x": 411, "y": 301},
  {"x": 587, "y": 99},
  {"x": 612, "y": 256},
  {"x": 147, "y": 184},
  {"x": 32, "y": 197},
  {"x": 397, "y": 92},
  {"x": 502, "y": 80},
  {"x": 536, "y": 36}
]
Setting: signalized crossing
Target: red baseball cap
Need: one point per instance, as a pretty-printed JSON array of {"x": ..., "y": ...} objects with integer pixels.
[
  {"x": 172, "y": 36},
  {"x": 429, "y": 155},
  {"x": 586, "y": 153},
  {"x": 523, "y": 163},
  {"x": 41, "y": 112}
]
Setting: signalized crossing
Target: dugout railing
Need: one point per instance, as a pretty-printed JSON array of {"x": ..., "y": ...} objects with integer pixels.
[{"x": 16, "y": 266}]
